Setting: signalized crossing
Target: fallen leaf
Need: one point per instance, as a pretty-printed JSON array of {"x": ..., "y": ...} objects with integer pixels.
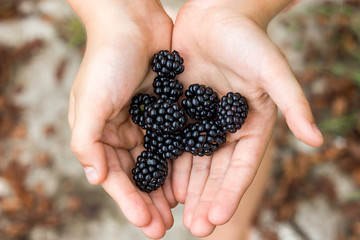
[
  {"x": 60, "y": 70},
  {"x": 19, "y": 131}
]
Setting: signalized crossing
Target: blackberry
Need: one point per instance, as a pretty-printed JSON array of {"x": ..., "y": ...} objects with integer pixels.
[
  {"x": 150, "y": 171},
  {"x": 201, "y": 102},
  {"x": 233, "y": 111},
  {"x": 164, "y": 116},
  {"x": 167, "y": 64},
  {"x": 137, "y": 108},
  {"x": 168, "y": 146},
  {"x": 168, "y": 88},
  {"x": 203, "y": 138}
]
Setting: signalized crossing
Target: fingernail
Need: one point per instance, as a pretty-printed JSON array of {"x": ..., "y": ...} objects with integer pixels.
[
  {"x": 316, "y": 130},
  {"x": 91, "y": 174}
]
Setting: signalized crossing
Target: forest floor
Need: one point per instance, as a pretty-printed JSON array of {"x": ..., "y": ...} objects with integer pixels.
[{"x": 313, "y": 194}]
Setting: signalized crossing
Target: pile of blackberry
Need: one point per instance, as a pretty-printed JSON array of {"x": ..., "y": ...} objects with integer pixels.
[{"x": 169, "y": 133}]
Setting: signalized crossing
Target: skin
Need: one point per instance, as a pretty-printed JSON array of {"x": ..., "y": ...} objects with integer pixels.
[
  {"x": 114, "y": 68},
  {"x": 225, "y": 46}
]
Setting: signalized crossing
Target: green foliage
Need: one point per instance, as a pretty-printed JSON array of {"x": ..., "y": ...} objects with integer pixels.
[
  {"x": 332, "y": 9},
  {"x": 343, "y": 26},
  {"x": 340, "y": 125},
  {"x": 354, "y": 196},
  {"x": 76, "y": 32}
]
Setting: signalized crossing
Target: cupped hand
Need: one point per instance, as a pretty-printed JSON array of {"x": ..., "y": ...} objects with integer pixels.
[
  {"x": 104, "y": 139},
  {"x": 230, "y": 51}
]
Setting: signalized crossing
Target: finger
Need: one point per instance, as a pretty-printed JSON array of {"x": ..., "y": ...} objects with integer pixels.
[
  {"x": 242, "y": 169},
  {"x": 122, "y": 133},
  {"x": 167, "y": 187},
  {"x": 181, "y": 176},
  {"x": 162, "y": 205},
  {"x": 118, "y": 185},
  {"x": 199, "y": 173},
  {"x": 155, "y": 229},
  {"x": 155, "y": 198},
  {"x": 200, "y": 225},
  {"x": 283, "y": 88},
  {"x": 85, "y": 141}
]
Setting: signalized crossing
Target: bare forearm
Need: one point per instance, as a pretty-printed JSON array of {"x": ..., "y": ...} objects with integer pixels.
[
  {"x": 92, "y": 12},
  {"x": 261, "y": 11},
  {"x": 265, "y": 10}
]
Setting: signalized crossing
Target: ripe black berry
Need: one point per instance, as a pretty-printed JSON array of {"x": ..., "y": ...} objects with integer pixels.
[
  {"x": 137, "y": 108},
  {"x": 233, "y": 111},
  {"x": 165, "y": 116},
  {"x": 201, "y": 102},
  {"x": 168, "y": 146},
  {"x": 203, "y": 138},
  {"x": 150, "y": 171},
  {"x": 167, "y": 64},
  {"x": 168, "y": 88}
]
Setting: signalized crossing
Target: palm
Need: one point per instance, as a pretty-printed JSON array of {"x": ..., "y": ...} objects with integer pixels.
[
  {"x": 104, "y": 137},
  {"x": 227, "y": 52}
]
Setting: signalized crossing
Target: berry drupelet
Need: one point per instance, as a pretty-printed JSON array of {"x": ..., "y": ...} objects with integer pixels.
[
  {"x": 164, "y": 116},
  {"x": 150, "y": 171},
  {"x": 168, "y": 146},
  {"x": 203, "y": 138},
  {"x": 233, "y": 111},
  {"x": 137, "y": 108},
  {"x": 167, "y": 64},
  {"x": 201, "y": 102},
  {"x": 168, "y": 88}
]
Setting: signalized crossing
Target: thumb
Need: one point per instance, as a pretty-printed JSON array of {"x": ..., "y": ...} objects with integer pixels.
[
  {"x": 87, "y": 130},
  {"x": 282, "y": 86}
]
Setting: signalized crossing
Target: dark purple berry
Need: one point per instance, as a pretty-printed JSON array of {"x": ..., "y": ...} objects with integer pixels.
[
  {"x": 167, "y": 64},
  {"x": 232, "y": 112},
  {"x": 137, "y": 108},
  {"x": 168, "y": 146},
  {"x": 150, "y": 171},
  {"x": 164, "y": 116},
  {"x": 203, "y": 138},
  {"x": 168, "y": 88},
  {"x": 201, "y": 102}
]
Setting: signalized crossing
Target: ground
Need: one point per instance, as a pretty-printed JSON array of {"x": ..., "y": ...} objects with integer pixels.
[{"x": 313, "y": 193}]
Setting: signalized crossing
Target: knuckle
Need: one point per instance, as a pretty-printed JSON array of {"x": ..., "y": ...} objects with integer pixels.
[
  {"x": 244, "y": 166},
  {"x": 78, "y": 148},
  {"x": 217, "y": 173},
  {"x": 201, "y": 166}
]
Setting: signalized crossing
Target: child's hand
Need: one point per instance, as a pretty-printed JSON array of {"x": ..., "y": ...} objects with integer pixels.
[
  {"x": 122, "y": 38},
  {"x": 227, "y": 48}
]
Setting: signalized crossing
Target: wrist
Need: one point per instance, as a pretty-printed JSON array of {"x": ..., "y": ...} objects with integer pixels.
[
  {"x": 260, "y": 11},
  {"x": 264, "y": 11},
  {"x": 111, "y": 13}
]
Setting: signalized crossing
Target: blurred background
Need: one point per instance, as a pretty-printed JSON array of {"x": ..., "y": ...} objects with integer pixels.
[{"x": 313, "y": 194}]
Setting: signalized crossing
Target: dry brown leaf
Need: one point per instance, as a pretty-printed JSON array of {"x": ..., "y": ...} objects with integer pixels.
[
  {"x": 269, "y": 234},
  {"x": 16, "y": 174},
  {"x": 325, "y": 186},
  {"x": 60, "y": 70},
  {"x": 356, "y": 176},
  {"x": 10, "y": 205},
  {"x": 74, "y": 203},
  {"x": 17, "y": 229},
  {"x": 19, "y": 131},
  {"x": 339, "y": 106},
  {"x": 25, "y": 52},
  {"x": 286, "y": 211},
  {"x": 49, "y": 130},
  {"x": 43, "y": 159}
]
